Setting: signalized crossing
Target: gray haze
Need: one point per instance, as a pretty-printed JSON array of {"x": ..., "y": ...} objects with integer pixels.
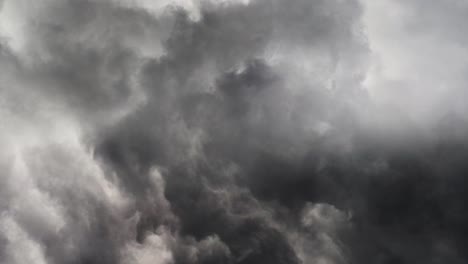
[{"x": 233, "y": 131}]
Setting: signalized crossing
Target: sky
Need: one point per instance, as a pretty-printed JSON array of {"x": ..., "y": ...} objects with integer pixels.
[{"x": 233, "y": 131}]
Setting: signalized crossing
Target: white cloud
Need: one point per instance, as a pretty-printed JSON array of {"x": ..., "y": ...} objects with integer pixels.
[{"x": 417, "y": 64}]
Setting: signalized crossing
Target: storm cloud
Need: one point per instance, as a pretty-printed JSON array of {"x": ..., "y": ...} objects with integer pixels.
[{"x": 233, "y": 131}]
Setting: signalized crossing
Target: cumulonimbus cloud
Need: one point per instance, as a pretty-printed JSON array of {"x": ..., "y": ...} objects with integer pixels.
[{"x": 259, "y": 131}]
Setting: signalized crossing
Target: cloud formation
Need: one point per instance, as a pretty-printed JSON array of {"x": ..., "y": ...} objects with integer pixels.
[{"x": 207, "y": 131}]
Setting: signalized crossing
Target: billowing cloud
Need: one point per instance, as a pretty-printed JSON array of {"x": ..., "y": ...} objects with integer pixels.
[{"x": 261, "y": 131}]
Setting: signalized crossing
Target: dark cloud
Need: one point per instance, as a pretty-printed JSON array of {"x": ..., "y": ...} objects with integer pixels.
[{"x": 216, "y": 132}]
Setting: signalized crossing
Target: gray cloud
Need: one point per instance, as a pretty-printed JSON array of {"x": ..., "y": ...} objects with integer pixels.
[{"x": 228, "y": 132}]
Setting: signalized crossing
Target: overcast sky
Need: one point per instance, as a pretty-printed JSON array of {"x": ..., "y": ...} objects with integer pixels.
[{"x": 233, "y": 131}]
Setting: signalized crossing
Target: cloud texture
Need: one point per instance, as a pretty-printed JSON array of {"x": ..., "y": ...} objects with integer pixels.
[{"x": 230, "y": 131}]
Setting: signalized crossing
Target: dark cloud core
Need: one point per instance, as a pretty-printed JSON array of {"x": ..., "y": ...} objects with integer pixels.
[{"x": 250, "y": 132}]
